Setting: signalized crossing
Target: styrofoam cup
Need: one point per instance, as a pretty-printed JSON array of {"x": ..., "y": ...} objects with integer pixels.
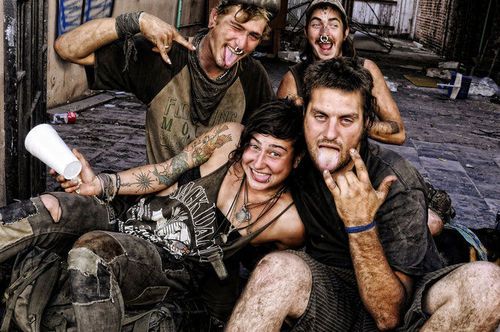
[{"x": 44, "y": 143}]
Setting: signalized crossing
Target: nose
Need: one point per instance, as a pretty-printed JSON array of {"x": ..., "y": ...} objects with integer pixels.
[
  {"x": 323, "y": 30},
  {"x": 331, "y": 130},
  {"x": 242, "y": 40},
  {"x": 259, "y": 162}
]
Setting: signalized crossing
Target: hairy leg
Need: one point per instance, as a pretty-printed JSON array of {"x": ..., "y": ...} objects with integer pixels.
[
  {"x": 279, "y": 287},
  {"x": 467, "y": 299}
]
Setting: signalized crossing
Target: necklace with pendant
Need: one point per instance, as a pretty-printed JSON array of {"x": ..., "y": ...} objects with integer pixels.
[{"x": 243, "y": 215}]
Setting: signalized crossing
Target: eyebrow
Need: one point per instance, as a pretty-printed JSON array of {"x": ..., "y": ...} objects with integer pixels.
[
  {"x": 276, "y": 146},
  {"x": 240, "y": 26},
  {"x": 329, "y": 20}
]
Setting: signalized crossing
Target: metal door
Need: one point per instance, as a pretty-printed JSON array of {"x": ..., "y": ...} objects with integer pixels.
[{"x": 25, "y": 61}]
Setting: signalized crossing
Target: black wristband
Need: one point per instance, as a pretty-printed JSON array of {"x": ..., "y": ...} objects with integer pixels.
[{"x": 127, "y": 25}]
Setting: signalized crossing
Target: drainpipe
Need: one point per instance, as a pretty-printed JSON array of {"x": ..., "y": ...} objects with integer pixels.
[
  {"x": 480, "y": 55},
  {"x": 414, "y": 23},
  {"x": 179, "y": 14},
  {"x": 445, "y": 39}
]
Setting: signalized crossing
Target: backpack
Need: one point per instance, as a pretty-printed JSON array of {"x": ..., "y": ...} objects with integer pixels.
[{"x": 38, "y": 299}]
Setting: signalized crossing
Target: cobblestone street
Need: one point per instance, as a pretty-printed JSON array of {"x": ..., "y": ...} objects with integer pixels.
[{"x": 455, "y": 144}]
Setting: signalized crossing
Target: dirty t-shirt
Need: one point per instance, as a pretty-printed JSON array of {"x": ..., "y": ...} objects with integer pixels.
[
  {"x": 188, "y": 225},
  {"x": 166, "y": 89},
  {"x": 401, "y": 220}
]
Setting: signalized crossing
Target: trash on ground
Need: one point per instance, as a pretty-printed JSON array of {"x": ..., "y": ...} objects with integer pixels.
[
  {"x": 443, "y": 74},
  {"x": 483, "y": 86},
  {"x": 459, "y": 85},
  {"x": 453, "y": 65},
  {"x": 393, "y": 86},
  {"x": 423, "y": 81},
  {"x": 293, "y": 56}
]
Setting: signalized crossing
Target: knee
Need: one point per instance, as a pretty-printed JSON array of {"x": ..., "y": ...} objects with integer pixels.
[
  {"x": 483, "y": 281},
  {"x": 52, "y": 205},
  {"x": 101, "y": 244},
  {"x": 283, "y": 268}
]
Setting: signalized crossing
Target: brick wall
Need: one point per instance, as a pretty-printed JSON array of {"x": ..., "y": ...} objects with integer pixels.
[
  {"x": 432, "y": 17},
  {"x": 453, "y": 28}
]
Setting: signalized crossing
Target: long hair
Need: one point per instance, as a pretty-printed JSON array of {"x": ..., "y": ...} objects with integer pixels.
[{"x": 281, "y": 119}]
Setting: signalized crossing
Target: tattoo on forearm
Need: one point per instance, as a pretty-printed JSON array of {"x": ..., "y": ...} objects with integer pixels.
[
  {"x": 142, "y": 180},
  {"x": 168, "y": 176},
  {"x": 385, "y": 128}
]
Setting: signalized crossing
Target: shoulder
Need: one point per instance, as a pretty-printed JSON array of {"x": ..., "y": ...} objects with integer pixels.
[
  {"x": 288, "y": 86},
  {"x": 288, "y": 231},
  {"x": 249, "y": 65},
  {"x": 372, "y": 68}
]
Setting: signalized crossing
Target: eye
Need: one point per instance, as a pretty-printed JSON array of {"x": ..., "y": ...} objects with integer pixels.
[
  {"x": 236, "y": 27},
  {"x": 254, "y": 37},
  {"x": 320, "y": 117},
  {"x": 254, "y": 147},
  {"x": 347, "y": 121},
  {"x": 315, "y": 25},
  {"x": 275, "y": 154},
  {"x": 333, "y": 25}
]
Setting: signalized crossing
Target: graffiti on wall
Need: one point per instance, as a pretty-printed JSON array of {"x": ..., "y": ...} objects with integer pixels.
[{"x": 72, "y": 13}]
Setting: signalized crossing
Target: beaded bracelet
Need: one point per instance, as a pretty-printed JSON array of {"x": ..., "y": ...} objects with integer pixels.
[{"x": 359, "y": 229}]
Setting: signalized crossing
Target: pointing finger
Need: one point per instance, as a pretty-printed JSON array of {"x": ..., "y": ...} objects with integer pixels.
[{"x": 183, "y": 41}]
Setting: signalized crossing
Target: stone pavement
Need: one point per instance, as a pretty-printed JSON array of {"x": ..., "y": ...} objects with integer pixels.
[{"x": 455, "y": 144}]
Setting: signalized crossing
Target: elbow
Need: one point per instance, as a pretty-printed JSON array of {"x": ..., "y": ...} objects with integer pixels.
[
  {"x": 388, "y": 322},
  {"x": 61, "y": 47}
]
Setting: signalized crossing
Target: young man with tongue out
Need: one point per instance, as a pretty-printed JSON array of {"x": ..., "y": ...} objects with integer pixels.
[
  {"x": 370, "y": 262},
  {"x": 189, "y": 86}
]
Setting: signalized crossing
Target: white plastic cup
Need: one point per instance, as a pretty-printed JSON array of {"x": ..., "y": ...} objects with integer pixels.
[{"x": 44, "y": 143}]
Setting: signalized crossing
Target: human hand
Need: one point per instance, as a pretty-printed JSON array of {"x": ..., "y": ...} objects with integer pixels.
[
  {"x": 356, "y": 200},
  {"x": 162, "y": 35},
  {"x": 86, "y": 184}
]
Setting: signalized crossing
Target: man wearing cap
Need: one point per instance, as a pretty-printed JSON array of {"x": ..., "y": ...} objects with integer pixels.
[
  {"x": 189, "y": 86},
  {"x": 327, "y": 34}
]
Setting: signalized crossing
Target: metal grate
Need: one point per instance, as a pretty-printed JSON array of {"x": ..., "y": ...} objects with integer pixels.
[{"x": 25, "y": 47}]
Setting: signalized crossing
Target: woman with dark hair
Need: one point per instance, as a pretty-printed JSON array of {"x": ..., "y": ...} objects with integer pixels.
[{"x": 184, "y": 240}]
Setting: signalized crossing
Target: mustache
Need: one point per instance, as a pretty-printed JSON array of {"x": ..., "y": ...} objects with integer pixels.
[{"x": 330, "y": 142}]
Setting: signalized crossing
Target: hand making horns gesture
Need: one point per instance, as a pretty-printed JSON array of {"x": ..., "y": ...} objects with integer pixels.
[{"x": 356, "y": 200}]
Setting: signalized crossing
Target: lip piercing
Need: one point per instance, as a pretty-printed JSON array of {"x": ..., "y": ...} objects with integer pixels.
[{"x": 324, "y": 39}]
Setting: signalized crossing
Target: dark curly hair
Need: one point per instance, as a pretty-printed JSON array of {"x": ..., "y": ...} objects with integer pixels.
[
  {"x": 281, "y": 119},
  {"x": 345, "y": 74}
]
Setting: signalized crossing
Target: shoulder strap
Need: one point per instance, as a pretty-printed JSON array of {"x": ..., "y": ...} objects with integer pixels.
[{"x": 244, "y": 240}]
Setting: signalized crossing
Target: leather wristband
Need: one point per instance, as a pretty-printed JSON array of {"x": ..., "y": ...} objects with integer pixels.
[
  {"x": 127, "y": 25},
  {"x": 359, "y": 229}
]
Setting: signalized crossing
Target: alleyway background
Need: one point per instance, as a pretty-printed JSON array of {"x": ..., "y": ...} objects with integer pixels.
[{"x": 455, "y": 144}]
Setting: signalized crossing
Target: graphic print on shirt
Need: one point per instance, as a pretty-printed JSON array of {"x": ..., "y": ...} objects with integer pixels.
[
  {"x": 183, "y": 223},
  {"x": 168, "y": 120}
]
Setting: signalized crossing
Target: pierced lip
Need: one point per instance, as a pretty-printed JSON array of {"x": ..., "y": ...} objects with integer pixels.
[{"x": 238, "y": 51}]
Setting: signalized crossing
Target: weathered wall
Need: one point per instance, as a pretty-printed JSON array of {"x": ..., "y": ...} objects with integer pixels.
[
  {"x": 67, "y": 81},
  {"x": 2, "y": 114},
  {"x": 396, "y": 17},
  {"x": 453, "y": 28}
]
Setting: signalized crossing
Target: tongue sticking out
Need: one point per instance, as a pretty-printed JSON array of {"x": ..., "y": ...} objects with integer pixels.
[
  {"x": 229, "y": 57},
  {"x": 328, "y": 159}
]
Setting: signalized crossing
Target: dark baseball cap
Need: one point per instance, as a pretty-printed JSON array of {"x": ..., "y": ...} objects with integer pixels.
[{"x": 334, "y": 3}]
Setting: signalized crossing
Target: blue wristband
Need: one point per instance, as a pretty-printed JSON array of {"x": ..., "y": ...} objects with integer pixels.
[{"x": 359, "y": 229}]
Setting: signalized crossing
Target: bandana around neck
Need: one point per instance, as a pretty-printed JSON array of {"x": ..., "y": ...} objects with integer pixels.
[{"x": 206, "y": 93}]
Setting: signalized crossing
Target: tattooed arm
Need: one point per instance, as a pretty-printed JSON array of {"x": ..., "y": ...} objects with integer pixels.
[
  {"x": 389, "y": 127},
  {"x": 215, "y": 144},
  {"x": 220, "y": 140}
]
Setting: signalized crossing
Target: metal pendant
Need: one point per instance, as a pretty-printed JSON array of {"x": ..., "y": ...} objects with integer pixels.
[{"x": 243, "y": 215}]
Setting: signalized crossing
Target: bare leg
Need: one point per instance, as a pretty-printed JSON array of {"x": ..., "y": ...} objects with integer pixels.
[
  {"x": 434, "y": 223},
  {"x": 52, "y": 205},
  {"x": 279, "y": 288},
  {"x": 467, "y": 299}
]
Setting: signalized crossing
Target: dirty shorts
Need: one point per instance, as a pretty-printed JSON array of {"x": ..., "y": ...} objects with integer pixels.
[{"x": 335, "y": 304}]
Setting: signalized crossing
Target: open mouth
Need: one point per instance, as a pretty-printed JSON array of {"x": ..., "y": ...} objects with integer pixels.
[{"x": 260, "y": 177}]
